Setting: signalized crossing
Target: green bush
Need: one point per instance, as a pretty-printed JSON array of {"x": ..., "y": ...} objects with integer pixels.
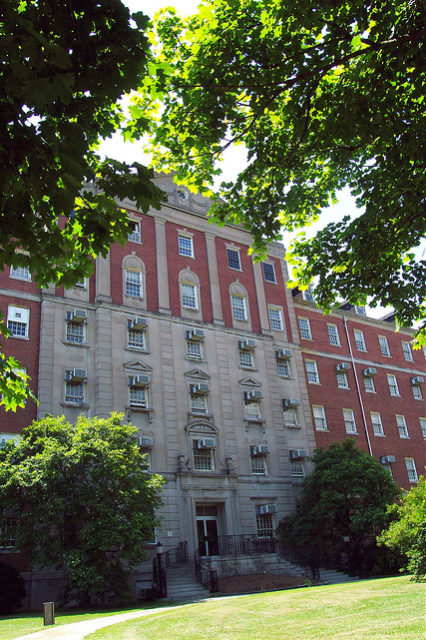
[{"x": 12, "y": 588}]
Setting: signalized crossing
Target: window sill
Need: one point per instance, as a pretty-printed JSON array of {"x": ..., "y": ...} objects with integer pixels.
[
  {"x": 137, "y": 349},
  {"x": 379, "y": 435},
  {"x": 126, "y": 296},
  {"x": 75, "y": 405},
  {"x": 298, "y": 426},
  {"x": 68, "y": 343},
  {"x": 18, "y": 337}
]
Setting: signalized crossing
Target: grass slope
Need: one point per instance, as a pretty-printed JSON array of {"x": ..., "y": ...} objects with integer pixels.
[{"x": 386, "y": 609}]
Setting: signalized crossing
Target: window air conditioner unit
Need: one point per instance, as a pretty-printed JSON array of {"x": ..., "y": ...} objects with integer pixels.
[
  {"x": 75, "y": 375},
  {"x": 195, "y": 335},
  {"x": 283, "y": 354},
  {"x": 199, "y": 389},
  {"x": 139, "y": 381},
  {"x": 387, "y": 459},
  {"x": 144, "y": 441},
  {"x": 417, "y": 380},
  {"x": 371, "y": 371},
  {"x": 137, "y": 323},
  {"x": 296, "y": 454},
  {"x": 264, "y": 509},
  {"x": 246, "y": 345},
  {"x": 252, "y": 396},
  {"x": 290, "y": 403},
  {"x": 260, "y": 450},
  {"x": 77, "y": 315},
  {"x": 204, "y": 443},
  {"x": 343, "y": 366}
]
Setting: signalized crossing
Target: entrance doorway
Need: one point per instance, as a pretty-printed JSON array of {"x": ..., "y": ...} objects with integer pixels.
[{"x": 207, "y": 530}]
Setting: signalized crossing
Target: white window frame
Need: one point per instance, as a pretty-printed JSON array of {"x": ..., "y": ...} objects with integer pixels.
[
  {"x": 265, "y": 525},
  {"x": 359, "y": 340},
  {"x": 408, "y": 354},
  {"x": 384, "y": 346},
  {"x": 422, "y": 422},
  {"x": 311, "y": 369},
  {"x": 133, "y": 285},
  {"x": 189, "y": 295},
  {"x": 75, "y": 392},
  {"x": 18, "y": 321},
  {"x": 194, "y": 349},
  {"x": 136, "y": 339},
  {"x": 246, "y": 358},
  {"x": 75, "y": 332},
  {"x": 349, "y": 421},
  {"x": 198, "y": 404},
  {"x": 185, "y": 245},
  {"x": 320, "y": 420},
  {"x": 333, "y": 335},
  {"x": 203, "y": 459},
  {"x": 252, "y": 410},
  {"x": 410, "y": 465},
  {"x": 275, "y": 318},
  {"x": 305, "y": 328},
  {"x": 239, "y": 307},
  {"x": 138, "y": 396},
  {"x": 376, "y": 423},
  {"x": 417, "y": 392},
  {"x": 258, "y": 465},
  {"x": 342, "y": 380},
  {"x": 290, "y": 417},
  {"x": 20, "y": 273},
  {"x": 269, "y": 265},
  {"x": 283, "y": 368},
  {"x": 135, "y": 234},
  {"x": 402, "y": 425},
  {"x": 369, "y": 384},
  {"x": 231, "y": 252},
  {"x": 392, "y": 384},
  {"x": 297, "y": 469}
]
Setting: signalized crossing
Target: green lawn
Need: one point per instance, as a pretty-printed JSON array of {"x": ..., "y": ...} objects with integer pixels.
[
  {"x": 23, "y": 623},
  {"x": 390, "y": 608}
]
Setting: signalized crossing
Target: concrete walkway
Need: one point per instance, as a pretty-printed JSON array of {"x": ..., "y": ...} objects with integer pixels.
[{"x": 79, "y": 630}]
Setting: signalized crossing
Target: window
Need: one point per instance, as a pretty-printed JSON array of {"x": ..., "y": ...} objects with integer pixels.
[
  {"x": 384, "y": 347},
  {"x": 376, "y": 422},
  {"x": 136, "y": 335},
  {"x": 265, "y": 525},
  {"x": 393, "y": 385},
  {"x": 138, "y": 396},
  {"x": 359, "y": 340},
  {"x": 369, "y": 384},
  {"x": 203, "y": 451},
  {"x": 246, "y": 358},
  {"x": 18, "y": 321},
  {"x": 290, "y": 417},
  {"x": 333, "y": 335},
  {"x": 269, "y": 272},
  {"x": 319, "y": 417},
  {"x": 342, "y": 380},
  {"x": 134, "y": 234},
  {"x": 296, "y": 468},
  {"x": 423, "y": 426},
  {"x": 74, "y": 391},
  {"x": 406, "y": 349},
  {"x": 189, "y": 295},
  {"x": 239, "y": 307},
  {"x": 80, "y": 284},
  {"x": 349, "y": 420},
  {"x": 252, "y": 405},
  {"x": 417, "y": 391},
  {"x": 305, "y": 329},
  {"x": 194, "y": 350},
  {"x": 8, "y": 533},
  {"x": 312, "y": 371},
  {"x": 402, "y": 426},
  {"x": 233, "y": 257},
  {"x": 410, "y": 465},
  {"x": 198, "y": 404},
  {"x": 75, "y": 332},
  {"x": 186, "y": 246},
  {"x": 20, "y": 273},
  {"x": 275, "y": 319},
  {"x": 258, "y": 465},
  {"x": 283, "y": 368},
  {"x": 133, "y": 283}
]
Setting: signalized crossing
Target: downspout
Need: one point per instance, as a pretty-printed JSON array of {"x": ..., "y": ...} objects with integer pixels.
[{"x": 358, "y": 387}]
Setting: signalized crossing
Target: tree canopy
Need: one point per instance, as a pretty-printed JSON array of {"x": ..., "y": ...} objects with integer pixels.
[
  {"x": 83, "y": 499},
  {"x": 64, "y": 68},
  {"x": 346, "y": 496},
  {"x": 407, "y": 532},
  {"x": 322, "y": 95}
]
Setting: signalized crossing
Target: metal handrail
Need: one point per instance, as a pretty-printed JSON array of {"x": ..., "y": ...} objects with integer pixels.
[{"x": 176, "y": 555}]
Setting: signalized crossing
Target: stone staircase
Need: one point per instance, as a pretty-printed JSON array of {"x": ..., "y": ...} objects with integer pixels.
[
  {"x": 182, "y": 585},
  {"x": 332, "y": 576}
]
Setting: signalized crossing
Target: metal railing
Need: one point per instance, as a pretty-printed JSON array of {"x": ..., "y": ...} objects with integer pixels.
[{"x": 176, "y": 555}]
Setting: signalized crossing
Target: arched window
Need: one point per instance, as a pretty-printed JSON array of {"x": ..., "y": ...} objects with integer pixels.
[{"x": 134, "y": 273}]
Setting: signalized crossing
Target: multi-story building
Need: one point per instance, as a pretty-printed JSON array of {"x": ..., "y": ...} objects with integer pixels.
[
  {"x": 367, "y": 383},
  {"x": 231, "y": 381}
]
